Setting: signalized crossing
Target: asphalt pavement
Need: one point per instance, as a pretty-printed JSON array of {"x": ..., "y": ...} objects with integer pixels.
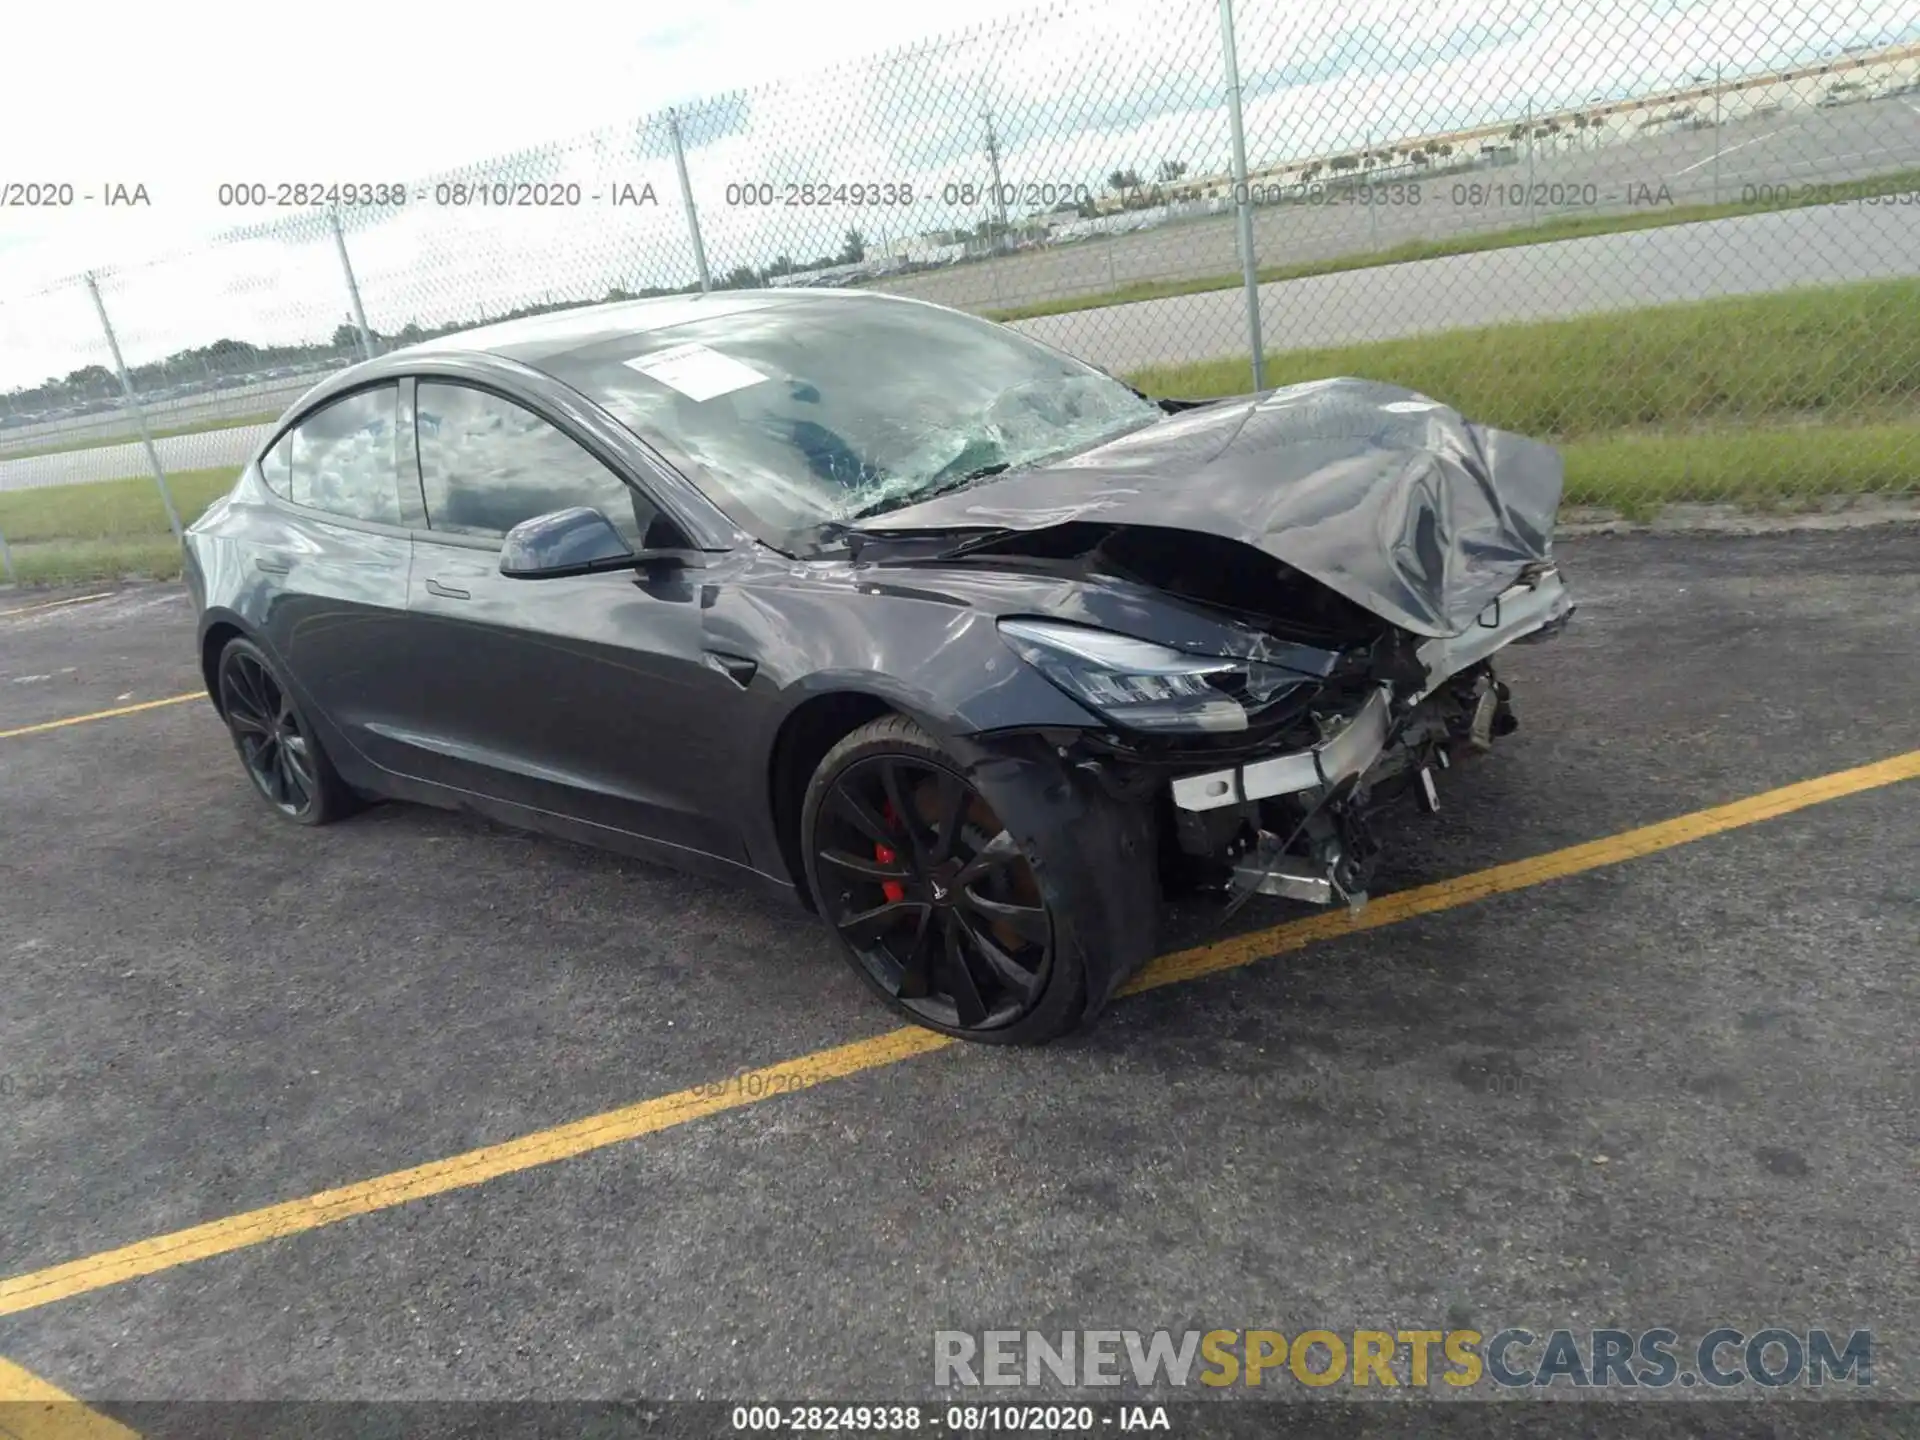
[{"x": 1676, "y": 1088}]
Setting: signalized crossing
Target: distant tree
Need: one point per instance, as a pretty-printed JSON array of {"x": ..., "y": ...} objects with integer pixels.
[
  {"x": 1121, "y": 180},
  {"x": 87, "y": 376},
  {"x": 1344, "y": 163},
  {"x": 1171, "y": 170},
  {"x": 855, "y": 250}
]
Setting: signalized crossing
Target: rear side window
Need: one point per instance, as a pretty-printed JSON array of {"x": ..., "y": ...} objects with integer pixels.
[
  {"x": 486, "y": 464},
  {"x": 341, "y": 458}
]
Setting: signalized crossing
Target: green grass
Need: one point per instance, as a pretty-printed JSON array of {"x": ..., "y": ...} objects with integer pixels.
[
  {"x": 199, "y": 427},
  {"x": 1833, "y": 353},
  {"x": 1765, "y": 401},
  {"x": 1759, "y": 468},
  {"x": 1759, "y": 400},
  {"x": 1566, "y": 227},
  {"x": 59, "y": 534}
]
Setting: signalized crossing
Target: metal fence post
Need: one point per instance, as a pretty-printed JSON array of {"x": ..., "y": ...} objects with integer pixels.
[
  {"x": 1530, "y": 127},
  {"x": 6, "y": 560},
  {"x": 353, "y": 286},
  {"x": 1243, "y": 196},
  {"x": 1373, "y": 195},
  {"x": 139, "y": 415},
  {"x": 686, "y": 199}
]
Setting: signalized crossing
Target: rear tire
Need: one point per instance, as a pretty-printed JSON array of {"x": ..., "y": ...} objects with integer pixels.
[
  {"x": 278, "y": 748},
  {"x": 934, "y": 903}
]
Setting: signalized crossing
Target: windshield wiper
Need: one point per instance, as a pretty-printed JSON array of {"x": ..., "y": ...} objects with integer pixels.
[{"x": 899, "y": 502}]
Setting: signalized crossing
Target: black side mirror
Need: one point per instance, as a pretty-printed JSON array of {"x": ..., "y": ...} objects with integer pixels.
[{"x": 578, "y": 541}]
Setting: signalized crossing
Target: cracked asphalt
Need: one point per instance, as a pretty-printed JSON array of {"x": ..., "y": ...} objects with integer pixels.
[{"x": 1678, "y": 1090}]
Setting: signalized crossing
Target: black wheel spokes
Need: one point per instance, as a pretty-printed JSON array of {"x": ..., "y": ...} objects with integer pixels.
[
  {"x": 865, "y": 818},
  {"x": 916, "y": 974},
  {"x": 935, "y": 896},
  {"x": 865, "y": 865},
  {"x": 995, "y": 856},
  {"x": 1006, "y": 970},
  {"x": 1029, "y": 922},
  {"x": 294, "y": 772},
  {"x": 958, "y": 972},
  {"x": 901, "y": 811},
  {"x": 952, "y": 797},
  {"x": 245, "y": 709},
  {"x": 263, "y": 721}
]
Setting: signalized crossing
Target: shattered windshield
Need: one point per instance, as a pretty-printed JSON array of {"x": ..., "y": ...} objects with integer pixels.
[{"x": 823, "y": 410}]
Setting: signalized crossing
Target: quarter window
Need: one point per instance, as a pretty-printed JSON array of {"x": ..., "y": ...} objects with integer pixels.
[
  {"x": 276, "y": 467},
  {"x": 486, "y": 464},
  {"x": 341, "y": 458}
]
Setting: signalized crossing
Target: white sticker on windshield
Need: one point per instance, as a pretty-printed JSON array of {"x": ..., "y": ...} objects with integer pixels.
[{"x": 696, "y": 371}]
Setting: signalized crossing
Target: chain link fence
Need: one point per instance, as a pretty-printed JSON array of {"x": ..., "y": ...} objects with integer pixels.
[{"x": 1681, "y": 240}]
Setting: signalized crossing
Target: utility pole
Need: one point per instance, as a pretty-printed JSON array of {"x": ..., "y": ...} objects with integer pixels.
[
  {"x": 1243, "y": 195},
  {"x": 999, "y": 190},
  {"x": 1718, "y": 66},
  {"x": 686, "y": 203}
]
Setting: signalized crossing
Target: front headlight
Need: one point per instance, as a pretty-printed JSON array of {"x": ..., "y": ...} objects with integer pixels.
[{"x": 1145, "y": 686}]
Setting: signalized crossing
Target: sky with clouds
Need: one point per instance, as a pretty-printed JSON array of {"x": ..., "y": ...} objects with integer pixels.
[{"x": 183, "y": 100}]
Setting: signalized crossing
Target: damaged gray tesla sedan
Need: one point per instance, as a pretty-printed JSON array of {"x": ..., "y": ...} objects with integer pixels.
[{"x": 969, "y": 647}]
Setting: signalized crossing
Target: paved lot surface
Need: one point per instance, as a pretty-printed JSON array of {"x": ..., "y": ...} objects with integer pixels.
[{"x": 1678, "y": 1090}]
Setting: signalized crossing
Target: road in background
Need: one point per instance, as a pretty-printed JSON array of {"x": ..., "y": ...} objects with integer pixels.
[
  {"x": 1759, "y": 157},
  {"x": 1742, "y": 255},
  {"x": 1800, "y": 150}
]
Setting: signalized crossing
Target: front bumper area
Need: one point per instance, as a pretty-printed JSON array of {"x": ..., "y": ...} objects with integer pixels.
[{"x": 1528, "y": 609}]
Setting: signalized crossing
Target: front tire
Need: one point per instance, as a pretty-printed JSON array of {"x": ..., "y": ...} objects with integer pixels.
[
  {"x": 935, "y": 904},
  {"x": 278, "y": 748}
]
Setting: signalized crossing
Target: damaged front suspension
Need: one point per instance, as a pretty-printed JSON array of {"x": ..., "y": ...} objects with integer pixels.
[{"x": 1318, "y": 845}]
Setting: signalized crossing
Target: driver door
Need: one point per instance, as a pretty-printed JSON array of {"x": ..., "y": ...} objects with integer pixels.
[{"x": 587, "y": 697}]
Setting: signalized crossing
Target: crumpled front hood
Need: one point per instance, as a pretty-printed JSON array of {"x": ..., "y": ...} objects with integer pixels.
[{"x": 1383, "y": 495}]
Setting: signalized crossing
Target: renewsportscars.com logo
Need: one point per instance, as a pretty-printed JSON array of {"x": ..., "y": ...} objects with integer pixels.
[{"x": 1722, "y": 1358}]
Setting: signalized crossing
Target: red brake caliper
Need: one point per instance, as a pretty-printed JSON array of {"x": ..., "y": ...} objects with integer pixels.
[{"x": 892, "y": 889}]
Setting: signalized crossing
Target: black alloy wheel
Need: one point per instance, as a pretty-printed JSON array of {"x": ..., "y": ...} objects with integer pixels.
[
  {"x": 281, "y": 755},
  {"x": 930, "y": 892}
]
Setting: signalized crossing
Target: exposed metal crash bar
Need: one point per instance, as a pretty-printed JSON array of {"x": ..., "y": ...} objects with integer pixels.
[{"x": 1518, "y": 612}]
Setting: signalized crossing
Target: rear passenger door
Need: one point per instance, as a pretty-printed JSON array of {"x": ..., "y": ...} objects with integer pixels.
[
  {"x": 334, "y": 564},
  {"x": 585, "y": 696}
]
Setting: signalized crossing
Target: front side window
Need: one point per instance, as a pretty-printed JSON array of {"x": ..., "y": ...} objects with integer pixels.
[
  {"x": 341, "y": 458},
  {"x": 486, "y": 464}
]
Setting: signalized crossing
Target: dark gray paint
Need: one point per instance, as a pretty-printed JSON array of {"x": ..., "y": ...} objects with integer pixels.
[
  {"x": 1380, "y": 493},
  {"x": 642, "y": 709}
]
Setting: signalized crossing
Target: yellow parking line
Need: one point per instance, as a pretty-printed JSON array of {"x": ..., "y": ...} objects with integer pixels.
[
  {"x": 31, "y": 1409},
  {"x": 1521, "y": 874},
  {"x": 45, "y": 725},
  {"x": 293, "y": 1217},
  {"x": 56, "y": 604}
]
